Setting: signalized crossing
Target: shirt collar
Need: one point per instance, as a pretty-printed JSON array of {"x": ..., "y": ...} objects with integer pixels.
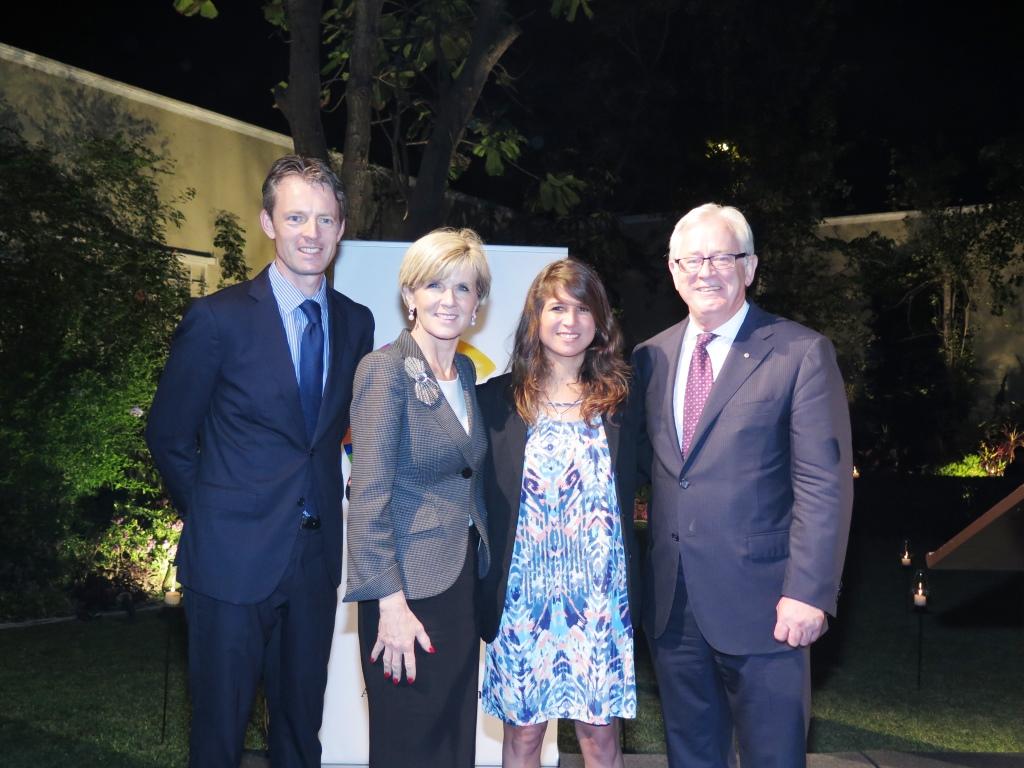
[
  {"x": 289, "y": 297},
  {"x": 726, "y": 330}
]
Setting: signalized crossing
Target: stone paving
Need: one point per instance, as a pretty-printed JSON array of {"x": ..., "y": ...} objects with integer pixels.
[
  {"x": 872, "y": 758},
  {"x": 876, "y": 759}
]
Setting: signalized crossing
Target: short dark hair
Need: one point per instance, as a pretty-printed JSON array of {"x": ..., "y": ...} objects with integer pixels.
[{"x": 310, "y": 169}]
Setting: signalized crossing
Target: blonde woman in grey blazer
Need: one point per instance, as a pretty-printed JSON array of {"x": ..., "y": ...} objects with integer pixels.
[{"x": 417, "y": 536}]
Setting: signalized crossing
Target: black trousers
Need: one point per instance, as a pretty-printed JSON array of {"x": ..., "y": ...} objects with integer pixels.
[
  {"x": 431, "y": 723},
  {"x": 286, "y": 640},
  {"x": 706, "y": 694}
]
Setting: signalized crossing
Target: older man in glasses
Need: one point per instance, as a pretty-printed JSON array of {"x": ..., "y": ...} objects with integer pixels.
[{"x": 751, "y": 471}]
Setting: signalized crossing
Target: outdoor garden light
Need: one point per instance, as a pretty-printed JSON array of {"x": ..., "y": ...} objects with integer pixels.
[
  {"x": 172, "y": 596},
  {"x": 919, "y": 591},
  {"x": 905, "y": 554}
]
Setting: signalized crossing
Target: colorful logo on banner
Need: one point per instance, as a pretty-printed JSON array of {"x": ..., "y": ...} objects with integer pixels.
[{"x": 484, "y": 368}]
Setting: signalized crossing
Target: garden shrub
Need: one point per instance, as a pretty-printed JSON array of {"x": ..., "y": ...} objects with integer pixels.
[{"x": 90, "y": 296}]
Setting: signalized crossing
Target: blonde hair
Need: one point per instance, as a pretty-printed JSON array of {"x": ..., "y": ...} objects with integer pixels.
[{"x": 439, "y": 254}]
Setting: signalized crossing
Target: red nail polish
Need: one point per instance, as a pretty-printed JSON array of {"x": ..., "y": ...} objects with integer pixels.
[
  {"x": 431, "y": 649},
  {"x": 412, "y": 680},
  {"x": 387, "y": 675},
  {"x": 372, "y": 660},
  {"x": 395, "y": 680}
]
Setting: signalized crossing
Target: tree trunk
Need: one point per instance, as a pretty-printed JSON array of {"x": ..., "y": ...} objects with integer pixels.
[
  {"x": 947, "y": 322},
  {"x": 300, "y": 101},
  {"x": 492, "y": 35},
  {"x": 355, "y": 169}
]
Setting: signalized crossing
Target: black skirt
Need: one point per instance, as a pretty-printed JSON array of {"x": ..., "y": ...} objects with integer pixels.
[{"x": 431, "y": 723}]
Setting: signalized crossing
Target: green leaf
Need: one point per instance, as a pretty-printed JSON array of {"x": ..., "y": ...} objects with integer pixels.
[
  {"x": 493, "y": 164},
  {"x": 205, "y": 8},
  {"x": 569, "y": 8},
  {"x": 275, "y": 14}
]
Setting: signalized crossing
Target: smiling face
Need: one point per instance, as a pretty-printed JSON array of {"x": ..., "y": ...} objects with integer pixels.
[
  {"x": 713, "y": 296},
  {"x": 444, "y": 306},
  {"x": 566, "y": 327},
  {"x": 306, "y": 227}
]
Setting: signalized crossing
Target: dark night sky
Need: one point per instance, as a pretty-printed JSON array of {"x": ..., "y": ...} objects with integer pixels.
[{"x": 912, "y": 76}]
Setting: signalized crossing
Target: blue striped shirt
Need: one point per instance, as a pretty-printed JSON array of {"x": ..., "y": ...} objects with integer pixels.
[{"x": 288, "y": 299}]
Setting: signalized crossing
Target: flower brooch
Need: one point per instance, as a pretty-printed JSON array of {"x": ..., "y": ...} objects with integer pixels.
[{"x": 427, "y": 390}]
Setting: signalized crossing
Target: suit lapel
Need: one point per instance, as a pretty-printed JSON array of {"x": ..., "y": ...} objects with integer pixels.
[
  {"x": 667, "y": 440},
  {"x": 267, "y": 325},
  {"x": 749, "y": 349},
  {"x": 338, "y": 363},
  {"x": 405, "y": 346}
]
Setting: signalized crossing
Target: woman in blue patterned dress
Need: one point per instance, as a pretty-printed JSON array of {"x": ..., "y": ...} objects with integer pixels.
[{"x": 559, "y": 481}]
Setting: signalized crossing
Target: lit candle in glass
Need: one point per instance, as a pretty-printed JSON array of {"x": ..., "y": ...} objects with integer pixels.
[
  {"x": 905, "y": 554},
  {"x": 920, "y": 590}
]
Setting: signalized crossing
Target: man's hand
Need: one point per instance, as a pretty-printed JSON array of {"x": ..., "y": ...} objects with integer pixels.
[
  {"x": 398, "y": 631},
  {"x": 798, "y": 623}
]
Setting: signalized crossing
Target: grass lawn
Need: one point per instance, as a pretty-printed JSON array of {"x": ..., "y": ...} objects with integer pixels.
[
  {"x": 90, "y": 694},
  {"x": 865, "y": 693}
]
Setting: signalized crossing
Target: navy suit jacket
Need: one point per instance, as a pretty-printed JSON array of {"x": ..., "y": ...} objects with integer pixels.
[
  {"x": 503, "y": 483},
  {"x": 760, "y": 508},
  {"x": 227, "y": 433}
]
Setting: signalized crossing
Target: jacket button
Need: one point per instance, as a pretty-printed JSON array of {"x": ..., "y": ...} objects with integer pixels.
[
  {"x": 684, "y": 484},
  {"x": 301, "y": 502},
  {"x": 675, "y": 537},
  {"x": 466, "y": 472}
]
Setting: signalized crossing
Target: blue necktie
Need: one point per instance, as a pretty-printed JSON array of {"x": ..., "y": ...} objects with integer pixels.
[{"x": 311, "y": 365}]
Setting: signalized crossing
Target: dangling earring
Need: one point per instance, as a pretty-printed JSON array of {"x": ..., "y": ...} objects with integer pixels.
[
  {"x": 472, "y": 318},
  {"x": 412, "y": 313}
]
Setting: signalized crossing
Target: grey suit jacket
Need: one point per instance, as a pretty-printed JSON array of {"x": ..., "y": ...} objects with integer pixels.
[
  {"x": 416, "y": 479},
  {"x": 760, "y": 508}
]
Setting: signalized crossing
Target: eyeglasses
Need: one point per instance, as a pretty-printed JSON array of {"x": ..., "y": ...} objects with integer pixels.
[{"x": 722, "y": 262}]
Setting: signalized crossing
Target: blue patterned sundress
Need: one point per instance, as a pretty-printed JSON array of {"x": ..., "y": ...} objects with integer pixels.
[{"x": 564, "y": 646}]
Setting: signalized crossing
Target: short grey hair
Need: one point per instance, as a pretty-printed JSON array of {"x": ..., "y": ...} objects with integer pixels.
[{"x": 732, "y": 217}]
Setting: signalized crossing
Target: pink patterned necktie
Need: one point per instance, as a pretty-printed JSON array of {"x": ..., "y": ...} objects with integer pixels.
[{"x": 698, "y": 385}]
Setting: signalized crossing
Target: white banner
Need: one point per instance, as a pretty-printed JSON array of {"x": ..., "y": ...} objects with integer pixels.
[{"x": 367, "y": 272}]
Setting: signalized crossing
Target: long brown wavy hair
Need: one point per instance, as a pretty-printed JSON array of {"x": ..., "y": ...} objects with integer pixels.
[{"x": 604, "y": 375}]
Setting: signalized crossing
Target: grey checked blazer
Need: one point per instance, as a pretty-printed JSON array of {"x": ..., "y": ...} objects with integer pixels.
[{"x": 416, "y": 479}]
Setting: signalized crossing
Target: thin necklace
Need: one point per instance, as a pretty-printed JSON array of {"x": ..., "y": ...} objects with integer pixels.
[{"x": 561, "y": 409}]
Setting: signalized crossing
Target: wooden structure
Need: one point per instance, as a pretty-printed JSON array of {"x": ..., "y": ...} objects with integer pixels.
[{"x": 993, "y": 542}]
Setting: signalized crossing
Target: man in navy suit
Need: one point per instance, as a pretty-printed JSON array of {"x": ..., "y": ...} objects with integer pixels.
[
  {"x": 752, "y": 491},
  {"x": 246, "y": 429}
]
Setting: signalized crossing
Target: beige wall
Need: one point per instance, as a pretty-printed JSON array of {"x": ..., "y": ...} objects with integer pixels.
[{"x": 224, "y": 160}]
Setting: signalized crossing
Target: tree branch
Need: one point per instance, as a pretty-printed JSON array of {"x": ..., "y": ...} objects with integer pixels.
[
  {"x": 355, "y": 168},
  {"x": 493, "y": 33},
  {"x": 300, "y": 101}
]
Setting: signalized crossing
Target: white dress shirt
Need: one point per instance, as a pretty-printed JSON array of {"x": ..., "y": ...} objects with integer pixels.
[{"x": 718, "y": 350}]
